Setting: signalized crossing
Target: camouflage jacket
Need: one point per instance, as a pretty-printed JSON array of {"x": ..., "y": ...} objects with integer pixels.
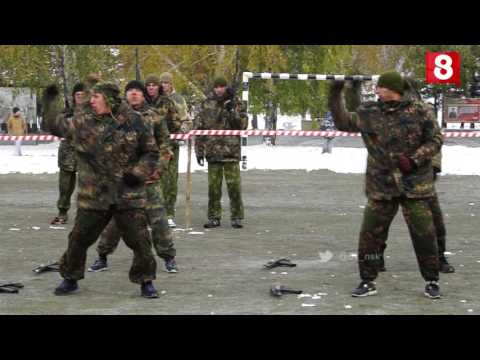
[
  {"x": 220, "y": 114},
  {"x": 389, "y": 130},
  {"x": 437, "y": 162},
  {"x": 180, "y": 105},
  {"x": 168, "y": 109},
  {"x": 161, "y": 133},
  {"x": 66, "y": 150},
  {"x": 107, "y": 147}
]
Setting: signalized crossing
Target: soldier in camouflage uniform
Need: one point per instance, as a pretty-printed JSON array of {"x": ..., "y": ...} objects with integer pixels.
[
  {"x": 401, "y": 136},
  {"x": 162, "y": 236},
  {"x": 221, "y": 111},
  {"x": 67, "y": 177},
  {"x": 412, "y": 91},
  {"x": 162, "y": 95},
  {"x": 116, "y": 154}
]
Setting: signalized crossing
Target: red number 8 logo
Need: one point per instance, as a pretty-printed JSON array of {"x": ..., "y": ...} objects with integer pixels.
[{"x": 443, "y": 67}]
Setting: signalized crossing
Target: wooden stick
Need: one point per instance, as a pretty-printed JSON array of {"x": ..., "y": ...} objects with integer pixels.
[{"x": 188, "y": 192}]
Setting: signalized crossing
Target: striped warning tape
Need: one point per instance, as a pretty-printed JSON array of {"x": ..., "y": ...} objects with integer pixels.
[{"x": 448, "y": 134}]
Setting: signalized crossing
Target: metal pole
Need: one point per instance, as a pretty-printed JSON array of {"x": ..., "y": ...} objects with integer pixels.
[
  {"x": 137, "y": 66},
  {"x": 188, "y": 192}
]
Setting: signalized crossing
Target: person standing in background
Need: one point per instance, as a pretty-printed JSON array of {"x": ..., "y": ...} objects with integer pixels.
[{"x": 17, "y": 126}]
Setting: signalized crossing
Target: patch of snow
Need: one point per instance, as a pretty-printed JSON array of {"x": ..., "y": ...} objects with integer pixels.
[{"x": 457, "y": 160}]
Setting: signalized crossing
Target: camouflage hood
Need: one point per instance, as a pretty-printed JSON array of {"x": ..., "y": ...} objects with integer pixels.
[{"x": 111, "y": 92}]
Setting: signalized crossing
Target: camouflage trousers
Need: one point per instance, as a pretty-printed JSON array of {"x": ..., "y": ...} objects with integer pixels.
[
  {"x": 440, "y": 230},
  {"x": 66, "y": 186},
  {"x": 88, "y": 226},
  {"x": 161, "y": 235},
  {"x": 216, "y": 172},
  {"x": 439, "y": 224},
  {"x": 377, "y": 219},
  {"x": 170, "y": 182}
]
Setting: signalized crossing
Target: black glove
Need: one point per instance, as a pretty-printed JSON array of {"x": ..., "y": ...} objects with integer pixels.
[
  {"x": 337, "y": 86},
  {"x": 200, "y": 161},
  {"x": 131, "y": 180},
  {"x": 229, "y": 105},
  {"x": 52, "y": 91}
]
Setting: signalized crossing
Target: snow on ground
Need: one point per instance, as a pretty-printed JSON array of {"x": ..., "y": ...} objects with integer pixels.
[{"x": 457, "y": 160}]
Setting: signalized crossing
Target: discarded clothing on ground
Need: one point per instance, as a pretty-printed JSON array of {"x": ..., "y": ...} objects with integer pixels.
[
  {"x": 279, "y": 290},
  {"x": 280, "y": 262},
  {"x": 10, "y": 288},
  {"x": 54, "y": 266}
]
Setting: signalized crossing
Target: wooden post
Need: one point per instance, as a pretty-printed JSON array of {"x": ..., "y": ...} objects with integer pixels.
[{"x": 188, "y": 192}]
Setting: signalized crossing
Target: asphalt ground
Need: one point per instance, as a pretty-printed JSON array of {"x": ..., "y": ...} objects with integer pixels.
[{"x": 311, "y": 217}]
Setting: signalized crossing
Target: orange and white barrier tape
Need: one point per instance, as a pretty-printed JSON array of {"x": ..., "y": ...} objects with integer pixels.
[{"x": 448, "y": 134}]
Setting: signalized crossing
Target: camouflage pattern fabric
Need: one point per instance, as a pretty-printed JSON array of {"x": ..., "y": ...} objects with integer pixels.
[
  {"x": 377, "y": 219},
  {"x": 88, "y": 226},
  {"x": 66, "y": 156},
  {"x": 161, "y": 236},
  {"x": 170, "y": 183},
  {"x": 168, "y": 108},
  {"x": 108, "y": 147},
  {"x": 223, "y": 113},
  {"x": 116, "y": 154},
  {"x": 390, "y": 130},
  {"x": 66, "y": 186},
  {"x": 216, "y": 172},
  {"x": 437, "y": 163}
]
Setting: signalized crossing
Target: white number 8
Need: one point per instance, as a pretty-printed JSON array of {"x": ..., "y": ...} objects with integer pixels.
[{"x": 439, "y": 67}]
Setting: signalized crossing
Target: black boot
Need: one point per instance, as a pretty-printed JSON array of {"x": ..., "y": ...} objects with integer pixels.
[
  {"x": 432, "y": 290},
  {"x": 100, "y": 264},
  {"x": 237, "y": 223},
  {"x": 366, "y": 288},
  {"x": 148, "y": 290},
  {"x": 66, "y": 287},
  {"x": 212, "y": 223}
]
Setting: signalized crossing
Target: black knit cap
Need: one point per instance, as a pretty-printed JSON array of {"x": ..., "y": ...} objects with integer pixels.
[
  {"x": 78, "y": 88},
  {"x": 136, "y": 84}
]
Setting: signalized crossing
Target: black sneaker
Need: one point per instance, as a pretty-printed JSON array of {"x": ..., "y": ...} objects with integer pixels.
[
  {"x": 445, "y": 267},
  {"x": 99, "y": 265},
  {"x": 66, "y": 287},
  {"x": 366, "y": 288},
  {"x": 149, "y": 291},
  {"x": 60, "y": 219},
  {"x": 237, "y": 223},
  {"x": 212, "y": 223},
  {"x": 432, "y": 290},
  {"x": 171, "y": 265}
]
